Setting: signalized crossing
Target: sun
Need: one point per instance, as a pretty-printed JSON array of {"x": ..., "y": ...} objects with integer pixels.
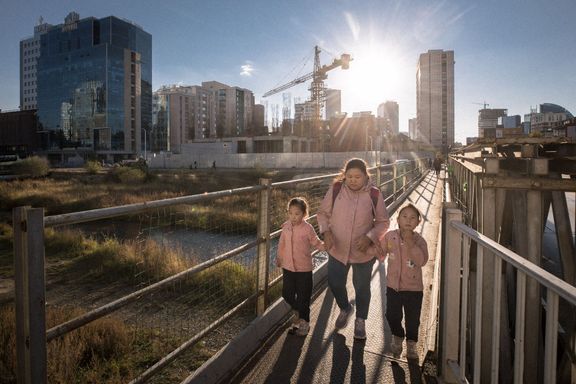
[{"x": 377, "y": 73}]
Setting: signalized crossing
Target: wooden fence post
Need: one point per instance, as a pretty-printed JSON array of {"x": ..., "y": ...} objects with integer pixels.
[{"x": 29, "y": 287}]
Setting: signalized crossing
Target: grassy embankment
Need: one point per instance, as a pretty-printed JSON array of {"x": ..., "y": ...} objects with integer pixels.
[{"x": 97, "y": 352}]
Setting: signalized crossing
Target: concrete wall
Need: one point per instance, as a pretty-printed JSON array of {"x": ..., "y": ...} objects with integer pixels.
[{"x": 273, "y": 160}]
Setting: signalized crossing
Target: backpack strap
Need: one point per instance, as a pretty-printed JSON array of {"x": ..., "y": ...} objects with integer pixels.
[
  {"x": 335, "y": 191},
  {"x": 374, "y": 192}
]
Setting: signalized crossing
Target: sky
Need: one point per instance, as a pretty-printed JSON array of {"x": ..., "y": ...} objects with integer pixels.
[{"x": 513, "y": 54}]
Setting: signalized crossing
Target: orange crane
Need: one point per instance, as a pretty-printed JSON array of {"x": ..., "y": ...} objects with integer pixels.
[{"x": 318, "y": 76}]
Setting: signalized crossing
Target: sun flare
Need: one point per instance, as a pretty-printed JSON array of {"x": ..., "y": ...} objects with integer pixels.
[{"x": 377, "y": 73}]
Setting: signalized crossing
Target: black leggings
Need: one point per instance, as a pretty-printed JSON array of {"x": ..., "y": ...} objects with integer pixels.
[
  {"x": 297, "y": 290},
  {"x": 411, "y": 303}
]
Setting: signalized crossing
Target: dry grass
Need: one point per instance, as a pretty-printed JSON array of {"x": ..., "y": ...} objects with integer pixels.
[{"x": 105, "y": 350}]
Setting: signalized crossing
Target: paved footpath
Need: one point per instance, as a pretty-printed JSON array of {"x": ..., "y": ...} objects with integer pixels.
[{"x": 328, "y": 356}]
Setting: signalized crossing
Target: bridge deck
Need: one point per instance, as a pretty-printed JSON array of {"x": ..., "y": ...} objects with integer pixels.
[{"x": 327, "y": 356}]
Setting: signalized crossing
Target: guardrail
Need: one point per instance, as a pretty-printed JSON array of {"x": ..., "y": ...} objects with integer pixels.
[
  {"x": 456, "y": 312},
  {"x": 203, "y": 290}
]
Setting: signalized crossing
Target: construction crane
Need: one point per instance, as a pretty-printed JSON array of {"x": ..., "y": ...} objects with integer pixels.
[
  {"x": 484, "y": 104},
  {"x": 318, "y": 76}
]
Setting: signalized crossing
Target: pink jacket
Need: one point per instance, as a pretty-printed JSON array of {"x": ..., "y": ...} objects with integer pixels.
[
  {"x": 352, "y": 217},
  {"x": 294, "y": 247},
  {"x": 404, "y": 265}
]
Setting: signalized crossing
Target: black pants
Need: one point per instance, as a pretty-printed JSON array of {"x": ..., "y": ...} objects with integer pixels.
[
  {"x": 297, "y": 290},
  {"x": 409, "y": 302}
]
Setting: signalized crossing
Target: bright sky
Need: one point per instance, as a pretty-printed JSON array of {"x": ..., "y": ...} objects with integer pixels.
[{"x": 512, "y": 54}]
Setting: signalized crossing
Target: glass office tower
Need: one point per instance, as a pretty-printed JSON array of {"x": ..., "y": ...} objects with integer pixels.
[{"x": 95, "y": 86}]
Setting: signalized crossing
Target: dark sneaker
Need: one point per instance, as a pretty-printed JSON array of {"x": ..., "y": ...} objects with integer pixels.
[{"x": 342, "y": 319}]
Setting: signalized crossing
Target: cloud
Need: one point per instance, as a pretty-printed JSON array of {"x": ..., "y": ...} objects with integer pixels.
[{"x": 247, "y": 69}]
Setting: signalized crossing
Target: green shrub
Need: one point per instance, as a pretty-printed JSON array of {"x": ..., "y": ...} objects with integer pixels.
[{"x": 32, "y": 166}]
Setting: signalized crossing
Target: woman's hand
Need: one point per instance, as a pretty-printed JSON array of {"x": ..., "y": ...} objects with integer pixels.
[
  {"x": 328, "y": 240},
  {"x": 362, "y": 243}
]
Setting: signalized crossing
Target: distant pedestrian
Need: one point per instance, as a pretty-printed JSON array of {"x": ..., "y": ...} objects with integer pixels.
[
  {"x": 351, "y": 217},
  {"x": 195, "y": 164},
  {"x": 214, "y": 164},
  {"x": 437, "y": 165},
  {"x": 295, "y": 258},
  {"x": 407, "y": 252}
]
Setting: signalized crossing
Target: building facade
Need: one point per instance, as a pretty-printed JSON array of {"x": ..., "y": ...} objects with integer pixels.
[
  {"x": 390, "y": 112},
  {"x": 435, "y": 98},
  {"x": 187, "y": 114},
  {"x": 94, "y": 86},
  {"x": 549, "y": 117},
  {"x": 488, "y": 119},
  {"x": 29, "y": 54}
]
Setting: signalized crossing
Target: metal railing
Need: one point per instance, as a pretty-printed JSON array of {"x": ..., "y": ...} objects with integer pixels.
[
  {"x": 455, "y": 309},
  {"x": 263, "y": 204}
]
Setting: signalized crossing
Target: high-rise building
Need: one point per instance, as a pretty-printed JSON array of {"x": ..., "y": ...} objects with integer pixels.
[
  {"x": 488, "y": 121},
  {"x": 230, "y": 109},
  {"x": 94, "y": 85},
  {"x": 333, "y": 103},
  {"x": 29, "y": 54},
  {"x": 390, "y": 112},
  {"x": 435, "y": 98},
  {"x": 549, "y": 117},
  {"x": 184, "y": 114},
  {"x": 412, "y": 128},
  {"x": 179, "y": 115}
]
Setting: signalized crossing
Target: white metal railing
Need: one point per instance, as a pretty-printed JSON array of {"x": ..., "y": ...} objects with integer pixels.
[{"x": 456, "y": 288}]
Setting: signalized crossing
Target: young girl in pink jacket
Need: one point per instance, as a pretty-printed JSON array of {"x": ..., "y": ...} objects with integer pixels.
[
  {"x": 352, "y": 218},
  {"x": 407, "y": 252},
  {"x": 295, "y": 258}
]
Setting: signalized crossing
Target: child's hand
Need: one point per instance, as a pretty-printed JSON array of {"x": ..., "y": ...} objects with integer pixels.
[{"x": 362, "y": 243}]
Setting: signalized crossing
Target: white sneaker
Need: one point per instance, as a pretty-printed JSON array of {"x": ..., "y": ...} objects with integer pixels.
[
  {"x": 396, "y": 346},
  {"x": 303, "y": 328},
  {"x": 295, "y": 318},
  {"x": 411, "y": 350}
]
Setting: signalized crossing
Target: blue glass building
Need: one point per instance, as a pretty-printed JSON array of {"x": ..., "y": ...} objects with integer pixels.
[{"x": 94, "y": 86}]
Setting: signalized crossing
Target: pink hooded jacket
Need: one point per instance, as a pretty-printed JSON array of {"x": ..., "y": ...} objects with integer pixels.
[
  {"x": 404, "y": 264},
  {"x": 351, "y": 217},
  {"x": 294, "y": 247}
]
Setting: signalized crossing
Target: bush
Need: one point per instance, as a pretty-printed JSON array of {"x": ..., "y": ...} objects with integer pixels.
[
  {"x": 33, "y": 166},
  {"x": 128, "y": 175},
  {"x": 92, "y": 167}
]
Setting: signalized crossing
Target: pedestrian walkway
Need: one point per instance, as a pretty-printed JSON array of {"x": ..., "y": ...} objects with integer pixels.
[{"x": 329, "y": 356}]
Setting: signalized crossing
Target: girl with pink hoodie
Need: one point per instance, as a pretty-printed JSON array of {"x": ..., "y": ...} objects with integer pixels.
[
  {"x": 295, "y": 258},
  {"x": 407, "y": 252}
]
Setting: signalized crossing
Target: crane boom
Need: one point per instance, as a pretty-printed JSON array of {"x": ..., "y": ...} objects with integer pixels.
[
  {"x": 299, "y": 80},
  {"x": 319, "y": 74}
]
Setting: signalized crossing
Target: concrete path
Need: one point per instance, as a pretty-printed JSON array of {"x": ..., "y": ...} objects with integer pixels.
[{"x": 327, "y": 356}]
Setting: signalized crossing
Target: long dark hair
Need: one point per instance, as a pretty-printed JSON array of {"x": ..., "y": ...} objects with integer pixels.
[{"x": 355, "y": 162}]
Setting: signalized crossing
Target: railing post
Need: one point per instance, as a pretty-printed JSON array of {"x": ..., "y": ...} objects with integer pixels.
[
  {"x": 28, "y": 224},
  {"x": 450, "y": 292},
  {"x": 394, "y": 176},
  {"x": 263, "y": 247}
]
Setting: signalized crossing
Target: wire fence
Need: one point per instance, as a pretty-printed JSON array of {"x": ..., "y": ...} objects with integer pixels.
[{"x": 173, "y": 280}]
